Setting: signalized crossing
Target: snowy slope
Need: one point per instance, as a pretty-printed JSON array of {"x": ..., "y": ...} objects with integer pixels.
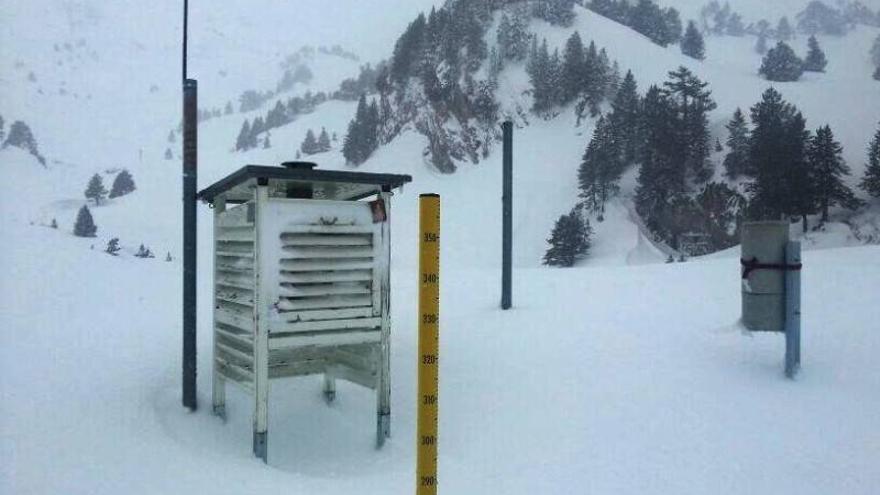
[
  {"x": 625, "y": 375},
  {"x": 577, "y": 387}
]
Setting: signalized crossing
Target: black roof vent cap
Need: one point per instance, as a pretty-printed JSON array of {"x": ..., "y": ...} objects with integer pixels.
[{"x": 299, "y": 165}]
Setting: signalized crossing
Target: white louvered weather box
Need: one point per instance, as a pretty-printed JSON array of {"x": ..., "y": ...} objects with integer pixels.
[{"x": 301, "y": 283}]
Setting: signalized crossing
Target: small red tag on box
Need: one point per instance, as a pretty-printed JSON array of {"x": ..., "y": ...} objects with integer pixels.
[{"x": 378, "y": 209}]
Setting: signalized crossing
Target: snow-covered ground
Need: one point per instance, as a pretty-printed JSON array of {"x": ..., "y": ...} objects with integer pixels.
[
  {"x": 609, "y": 379},
  {"x": 625, "y": 375}
]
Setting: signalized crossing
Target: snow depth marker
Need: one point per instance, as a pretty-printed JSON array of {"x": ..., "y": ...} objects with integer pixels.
[{"x": 429, "y": 344}]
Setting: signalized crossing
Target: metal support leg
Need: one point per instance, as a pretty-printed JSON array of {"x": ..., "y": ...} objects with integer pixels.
[
  {"x": 260, "y": 445},
  {"x": 329, "y": 387},
  {"x": 219, "y": 396},
  {"x": 792, "y": 310}
]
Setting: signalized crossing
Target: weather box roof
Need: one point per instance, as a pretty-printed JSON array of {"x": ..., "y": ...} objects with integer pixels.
[{"x": 301, "y": 180}]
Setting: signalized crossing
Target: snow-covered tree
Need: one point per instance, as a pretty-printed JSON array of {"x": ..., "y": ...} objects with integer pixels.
[
  {"x": 575, "y": 73},
  {"x": 247, "y": 139},
  {"x": 323, "y": 141},
  {"x": 626, "y": 118},
  {"x": 819, "y": 18},
  {"x": 85, "y": 224},
  {"x": 556, "y": 12},
  {"x": 267, "y": 141},
  {"x": 171, "y": 137},
  {"x": 123, "y": 184},
  {"x": 815, "y": 61},
  {"x": 309, "y": 145},
  {"x": 569, "y": 241},
  {"x": 168, "y": 154},
  {"x": 692, "y": 44},
  {"x": 871, "y": 181},
  {"x": 825, "y": 156},
  {"x": 761, "y": 44},
  {"x": 736, "y": 161},
  {"x": 20, "y": 136},
  {"x": 95, "y": 189},
  {"x": 875, "y": 55},
  {"x": 144, "y": 252},
  {"x": 113, "y": 247},
  {"x": 782, "y": 180},
  {"x": 784, "y": 31},
  {"x": 781, "y": 64},
  {"x": 601, "y": 168}
]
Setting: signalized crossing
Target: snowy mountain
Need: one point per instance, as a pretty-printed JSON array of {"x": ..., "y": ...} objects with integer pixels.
[{"x": 623, "y": 375}]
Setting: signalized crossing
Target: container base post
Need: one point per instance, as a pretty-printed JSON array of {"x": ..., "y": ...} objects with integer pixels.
[
  {"x": 792, "y": 310},
  {"x": 260, "y": 445}
]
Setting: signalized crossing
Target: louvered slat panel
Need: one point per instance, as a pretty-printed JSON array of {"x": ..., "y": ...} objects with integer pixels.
[
  {"x": 344, "y": 337},
  {"x": 327, "y": 302},
  {"x": 328, "y": 252},
  {"x": 290, "y": 240},
  {"x": 238, "y": 318},
  {"x": 235, "y": 295},
  {"x": 315, "y": 326},
  {"x": 324, "y": 277},
  {"x": 302, "y": 290},
  {"x": 326, "y": 265},
  {"x": 328, "y": 314},
  {"x": 327, "y": 229}
]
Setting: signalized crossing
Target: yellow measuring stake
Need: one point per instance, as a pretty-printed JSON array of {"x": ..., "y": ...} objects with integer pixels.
[{"x": 429, "y": 344}]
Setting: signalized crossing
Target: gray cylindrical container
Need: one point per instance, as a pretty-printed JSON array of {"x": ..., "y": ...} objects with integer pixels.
[{"x": 763, "y": 290}]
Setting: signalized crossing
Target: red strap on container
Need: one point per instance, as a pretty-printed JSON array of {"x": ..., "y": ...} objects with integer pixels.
[{"x": 752, "y": 265}]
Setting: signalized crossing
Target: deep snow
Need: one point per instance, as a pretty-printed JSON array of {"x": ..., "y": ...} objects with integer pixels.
[{"x": 624, "y": 375}]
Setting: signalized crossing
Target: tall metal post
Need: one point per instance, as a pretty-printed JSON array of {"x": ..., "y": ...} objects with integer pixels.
[
  {"x": 190, "y": 171},
  {"x": 507, "y": 217},
  {"x": 792, "y": 309}
]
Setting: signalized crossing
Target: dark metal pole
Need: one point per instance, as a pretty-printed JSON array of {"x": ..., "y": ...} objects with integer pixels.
[
  {"x": 507, "y": 217},
  {"x": 190, "y": 171}
]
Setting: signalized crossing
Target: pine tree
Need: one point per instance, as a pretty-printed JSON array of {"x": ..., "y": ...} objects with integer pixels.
[
  {"x": 692, "y": 102},
  {"x": 601, "y": 168},
  {"x": 777, "y": 160},
  {"x": 692, "y": 44},
  {"x": 309, "y": 145},
  {"x": 20, "y": 136},
  {"x": 825, "y": 157},
  {"x": 123, "y": 184},
  {"x": 877, "y": 74},
  {"x": 113, "y": 247},
  {"x": 781, "y": 64},
  {"x": 875, "y": 52},
  {"x": 267, "y": 141},
  {"x": 871, "y": 182},
  {"x": 228, "y": 110},
  {"x": 323, "y": 141},
  {"x": 85, "y": 225},
  {"x": 556, "y": 12},
  {"x": 168, "y": 154},
  {"x": 673, "y": 25},
  {"x": 242, "y": 143},
  {"x": 625, "y": 117},
  {"x": 569, "y": 241},
  {"x": 784, "y": 31},
  {"x": 171, "y": 137},
  {"x": 574, "y": 68},
  {"x": 815, "y": 61},
  {"x": 54, "y": 224},
  {"x": 144, "y": 252},
  {"x": 736, "y": 161},
  {"x": 95, "y": 190},
  {"x": 761, "y": 44}
]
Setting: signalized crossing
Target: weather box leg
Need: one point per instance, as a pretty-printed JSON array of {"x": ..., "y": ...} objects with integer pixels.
[
  {"x": 219, "y": 396},
  {"x": 218, "y": 390},
  {"x": 792, "y": 310},
  {"x": 329, "y": 387},
  {"x": 260, "y": 448}
]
